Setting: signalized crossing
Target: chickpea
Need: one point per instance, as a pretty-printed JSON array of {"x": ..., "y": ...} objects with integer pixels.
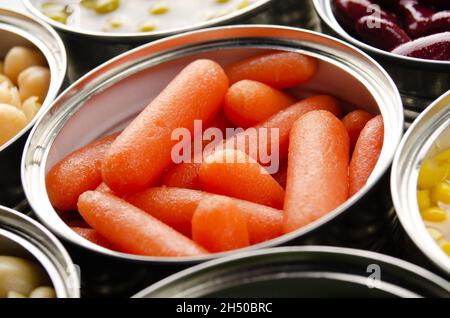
[
  {"x": 19, "y": 275},
  {"x": 19, "y": 58},
  {"x": 13, "y": 294},
  {"x": 30, "y": 107},
  {"x": 9, "y": 95},
  {"x": 4, "y": 79},
  {"x": 43, "y": 292},
  {"x": 34, "y": 81}
]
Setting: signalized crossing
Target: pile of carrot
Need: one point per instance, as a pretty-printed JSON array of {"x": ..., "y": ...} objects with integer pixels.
[{"x": 132, "y": 198}]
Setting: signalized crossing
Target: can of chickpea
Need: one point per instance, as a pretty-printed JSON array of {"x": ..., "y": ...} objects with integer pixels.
[
  {"x": 33, "y": 263},
  {"x": 421, "y": 189},
  {"x": 32, "y": 71},
  {"x": 421, "y": 78}
]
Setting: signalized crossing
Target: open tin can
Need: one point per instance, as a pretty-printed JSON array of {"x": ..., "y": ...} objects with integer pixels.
[
  {"x": 303, "y": 272},
  {"x": 107, "y": 98},
  {"x": 420, "y": 81},
  {"x": 428, "y": 135},
  {"x": 18, "y": 29},
  {"x": 92, "y": 48},
  {"x": 23, "y": 237}
]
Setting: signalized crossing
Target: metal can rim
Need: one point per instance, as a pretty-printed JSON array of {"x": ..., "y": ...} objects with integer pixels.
[
  {"x": 395, "y": 124},
  {"x": 206, "y": 268}
]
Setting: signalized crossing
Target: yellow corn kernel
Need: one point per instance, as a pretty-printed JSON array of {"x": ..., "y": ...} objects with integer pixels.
[
  {"x": 160, "y": 8},
  {"x": 446, "y": 247},
  {"x": 423, "y": 199},
  {"x": 440, "y": 193},
  {"x": 435, "y": 234},
  {"x": 443, "y": 156},
  {"x": 431, "y": 173},
  {"x": 106, "y": 6},
  {"x": 243, "y": 4},
  {"x": 147, "y": 27},
  {"x": 434, "y": 214}
]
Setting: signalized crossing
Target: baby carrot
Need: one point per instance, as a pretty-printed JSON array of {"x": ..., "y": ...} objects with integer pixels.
[
  {"x": 233, "y": 173},
  {"x": 131, "y": 229},
  {"x": 317, "y": 180},
  {"x": 176, "y": 207},
  {"x": 93, "y": 236},
  {"x": 279, "y": 69},
  {"x": 103, "y": 188},
  {"x": 354, "y": 122},
  {"x": 184, "y": 175},
  {"x": 283, "y": 121},
  {"x": 77, "y": 173},
  {"x": 219, "y": 225},
  {"x": 366, "y": 153},
  {"x": 248, "y": 103},
  {"x": 142, "y": 152}
]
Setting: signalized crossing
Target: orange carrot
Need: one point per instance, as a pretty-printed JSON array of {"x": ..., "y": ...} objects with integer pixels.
[
  {"x": 233, "y": 173},
  {"x": 366, "y": 153},
  {"x": 78, "y": 172},
  {"x": 219, "y": 225},
  {"x": 354, "y": 122},
  {"x": 279, "y": 70},
  {"x": 281, "y": 175},
  {"x": 317, "y": 180},
  {"x": 103, "y": 188},
  {"x": 176, "y": 207},
  {"x": 131, "y": 229},
  {"x": 184, "y": 175},
  {"x": 142, "y": 152},
  {"x": 248, "y": 103},
  {"x": 93, "y": 236}
]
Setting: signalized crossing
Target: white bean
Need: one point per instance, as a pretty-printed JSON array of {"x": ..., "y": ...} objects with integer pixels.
[
  {"x": 19, "y": 275},
  {"x": 13, "y": 294},
  {"x": 12, "y": 121},
  {"x": 34, "y": 81},
  {"x": 43, "y": 292},
  {"x": 19, "y": 58}
]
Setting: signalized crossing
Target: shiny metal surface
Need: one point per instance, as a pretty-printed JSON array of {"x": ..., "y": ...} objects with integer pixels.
[
  {"x": 419, "y": 81},
  {"x": 23, "y": 237},
  {"x": 19, "y": 29},
  {"x": 361, "y": 221},
  {"x": 301, "y": 272},
  {"x": 432, "y": 126},
  {"x": 147, "y": 36}
]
